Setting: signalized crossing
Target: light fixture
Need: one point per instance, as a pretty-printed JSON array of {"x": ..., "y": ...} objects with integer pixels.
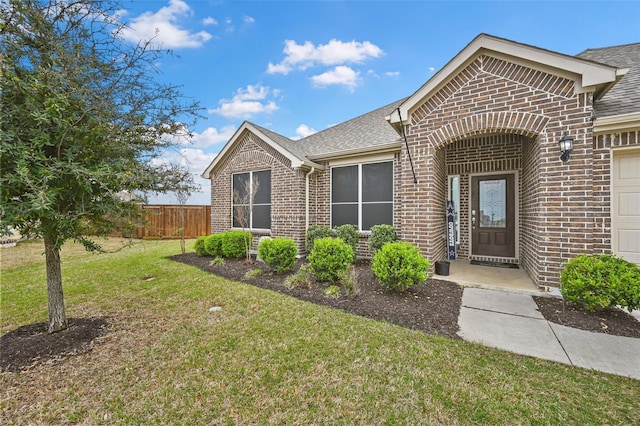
[{"x": 566, "y": 146}]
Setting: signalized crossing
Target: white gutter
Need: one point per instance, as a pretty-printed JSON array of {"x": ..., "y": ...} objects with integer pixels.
[{"x": 306, "y": 201}]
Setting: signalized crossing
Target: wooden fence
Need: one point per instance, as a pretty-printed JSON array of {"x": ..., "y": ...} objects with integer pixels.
[{"x": 166, "y": 221}]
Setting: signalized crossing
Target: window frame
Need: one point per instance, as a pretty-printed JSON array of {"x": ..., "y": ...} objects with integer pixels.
[
  {"x": 252, "y": 204},
  {"x": 360, "y": 203}
]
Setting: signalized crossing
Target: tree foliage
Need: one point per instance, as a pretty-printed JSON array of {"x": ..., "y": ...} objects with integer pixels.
[{"x": 84, "y": 119}]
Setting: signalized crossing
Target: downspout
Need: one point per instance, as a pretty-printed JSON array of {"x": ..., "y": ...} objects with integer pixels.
[{"x": 306, "y": 201}]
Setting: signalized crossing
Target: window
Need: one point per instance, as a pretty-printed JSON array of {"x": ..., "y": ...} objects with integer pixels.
[
  {"x": 362, "y": 195},
  {"x": 252, "y": 200}
]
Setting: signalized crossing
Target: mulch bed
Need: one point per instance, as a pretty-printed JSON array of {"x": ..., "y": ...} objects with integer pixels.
[
  {"x": 432, "y": 307},
  {"x": 31, "y": 344},
  {"x": 608, "y": 321}
]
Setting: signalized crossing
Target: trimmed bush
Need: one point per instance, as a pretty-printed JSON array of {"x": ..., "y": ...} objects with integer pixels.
[
  {"x": 213, "y": 245},
  {"x": 381, "y": 235},
  {"x": 601, "y": 281},
  {"x": 314, "y": 232},
  {"x": 350, "y": 235},
  {"x": 329, "y": 259},
  {"x": 279, "y": 253},
  {"x": 198, "y": 246},
  {"x": 233, "y": 244},
  {"x": 399, "y": 265}
]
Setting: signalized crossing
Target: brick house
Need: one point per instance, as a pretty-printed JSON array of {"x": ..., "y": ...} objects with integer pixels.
[{"x": 483, "y": 132}]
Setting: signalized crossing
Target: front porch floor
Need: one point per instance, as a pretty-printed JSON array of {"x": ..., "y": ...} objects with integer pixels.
[{"x": 463, "y": 273}]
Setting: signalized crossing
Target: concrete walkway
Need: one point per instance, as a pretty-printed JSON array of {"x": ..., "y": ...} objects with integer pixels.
[{"x": 510, "y": 320}]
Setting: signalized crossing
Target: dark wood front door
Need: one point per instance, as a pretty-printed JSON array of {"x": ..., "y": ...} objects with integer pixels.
[{"x": 493, "y": 213}]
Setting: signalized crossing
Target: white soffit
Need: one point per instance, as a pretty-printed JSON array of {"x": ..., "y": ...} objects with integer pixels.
[{"x": 587, "y": 74}]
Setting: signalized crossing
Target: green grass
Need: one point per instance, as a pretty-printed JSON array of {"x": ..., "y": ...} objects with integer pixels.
[{"x": 266, "y": 358}]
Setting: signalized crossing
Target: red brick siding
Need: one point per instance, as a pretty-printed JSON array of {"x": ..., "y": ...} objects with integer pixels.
[
  {"x": 287, "y": 189},
  {"x": 492, "y": 96}
]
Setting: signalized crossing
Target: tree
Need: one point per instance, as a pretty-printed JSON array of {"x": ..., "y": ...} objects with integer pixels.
[
  {"x": 83, "y": 119},
  {"x": 243, "y": 199}
]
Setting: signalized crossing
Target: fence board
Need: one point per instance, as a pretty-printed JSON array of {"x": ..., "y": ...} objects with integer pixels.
[{"x": 163, "y": 221}]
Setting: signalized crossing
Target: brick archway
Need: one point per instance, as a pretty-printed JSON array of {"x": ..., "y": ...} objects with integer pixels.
[{"x": 508, "y": 122}]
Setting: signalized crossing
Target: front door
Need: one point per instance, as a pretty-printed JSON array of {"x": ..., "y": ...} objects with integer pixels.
[{"x": 493, "y": 213}]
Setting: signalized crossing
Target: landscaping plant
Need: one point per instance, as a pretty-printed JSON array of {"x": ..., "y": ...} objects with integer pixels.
[
  {"x": 315, "y": 232},
  {"x": 279, "y": 253},
  {"x": 213, "y": 245},
  {"x": 350, "y": 235},
  {"x": 600, "y": 281},
  {"x": 329, "y": 259},
  {"x": 380, "y": 235},
  {"x": 234, "y": 244},
  {"x": 399, "y": 265},
  {"x": 198, "y": 246}
]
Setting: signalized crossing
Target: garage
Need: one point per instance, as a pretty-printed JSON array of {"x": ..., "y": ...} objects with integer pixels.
[{"x": 626, "y": 204}]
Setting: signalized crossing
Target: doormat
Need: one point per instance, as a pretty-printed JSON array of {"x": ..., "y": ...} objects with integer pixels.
[{"x": 495, "y": 264}]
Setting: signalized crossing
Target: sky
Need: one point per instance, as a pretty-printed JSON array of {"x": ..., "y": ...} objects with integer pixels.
[{"x": 299, "y": 67}]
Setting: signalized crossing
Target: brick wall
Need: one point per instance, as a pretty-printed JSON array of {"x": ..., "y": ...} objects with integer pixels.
[
  {"x": 287, "y": 189},
  {"x": 491, "y": 96}
]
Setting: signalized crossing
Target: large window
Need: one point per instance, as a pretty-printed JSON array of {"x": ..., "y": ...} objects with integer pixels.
[
  {"x": 362, "y": 195},
  {"x": 252, "y": 200}
]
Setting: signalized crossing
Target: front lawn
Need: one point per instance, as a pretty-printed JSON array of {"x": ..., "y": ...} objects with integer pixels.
[{"x": 265, "y": 357}]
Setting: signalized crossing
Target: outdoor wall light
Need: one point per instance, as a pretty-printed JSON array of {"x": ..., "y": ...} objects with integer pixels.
[{"x": 566, "y": 146}]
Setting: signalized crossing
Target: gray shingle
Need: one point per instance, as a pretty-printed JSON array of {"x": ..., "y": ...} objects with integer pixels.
[
  {"x": 366, "y": 131},
  {"x": 624, "y": 97}
]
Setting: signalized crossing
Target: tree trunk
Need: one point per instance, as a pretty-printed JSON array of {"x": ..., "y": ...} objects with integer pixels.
[{"x": 57, "y": 316}]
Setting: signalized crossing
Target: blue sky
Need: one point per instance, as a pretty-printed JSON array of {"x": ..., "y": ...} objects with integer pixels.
[{"x": 299, "y": 67}]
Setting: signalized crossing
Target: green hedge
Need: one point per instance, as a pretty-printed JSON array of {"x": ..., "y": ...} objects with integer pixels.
[
  {"x": 601, "y": 281},
  {"x": 199, "y": 247},
  {"x": 399, "y": 265},
  {"x": 315, "y": 232},
  {"x": 213, "y": 245},
  {"x": 381, "y": 235},
  {"x": 329, "y": 259},
  {"x": 234, "y": 243},
  {"x": 278, "y": 253}
]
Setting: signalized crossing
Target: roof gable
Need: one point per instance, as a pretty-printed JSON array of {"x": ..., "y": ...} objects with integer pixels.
[
  {"x": 588, "y": 75},
  {"x": 278, "y": 142}
]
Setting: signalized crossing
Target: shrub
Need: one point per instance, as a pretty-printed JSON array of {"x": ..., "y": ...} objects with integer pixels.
[
  {"x": 279, "y": 253},
  {"x": 213, "y": 245},
  {"x": 198, "y": 246},
  {"x": 314, "y": 232},
  {"x": 600, "y": 281},
  {"x": 329, "y": 259},
  {"x": 399, "y": 265},
  {"x": 350, "y": 235},
  {"x": 233, "y": 243},
  {"x": 380, "y": 235},
  {"x": 217, "y": 261}
]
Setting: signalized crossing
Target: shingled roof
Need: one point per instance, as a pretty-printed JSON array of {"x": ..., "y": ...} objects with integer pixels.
[
  {"x": 369, "y": 131},
  {"x": 624, "y": 96}
]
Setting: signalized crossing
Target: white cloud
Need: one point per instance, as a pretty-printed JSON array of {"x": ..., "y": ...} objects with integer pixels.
[
  {"x": 303, "y": 56},
  {"x": 209, "y": 21},
  {"x": 432, "y": 69},
  {"x": 163, "y": 27},
  {"x": 249, "y": 20},
  {"x": 392, "y": 73},
  {"x": 340, "y": 75},
  {"x": 247, "y": 102},
  {"x": 302, "y": 131},
  {"x": 212, "y": 136}
]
